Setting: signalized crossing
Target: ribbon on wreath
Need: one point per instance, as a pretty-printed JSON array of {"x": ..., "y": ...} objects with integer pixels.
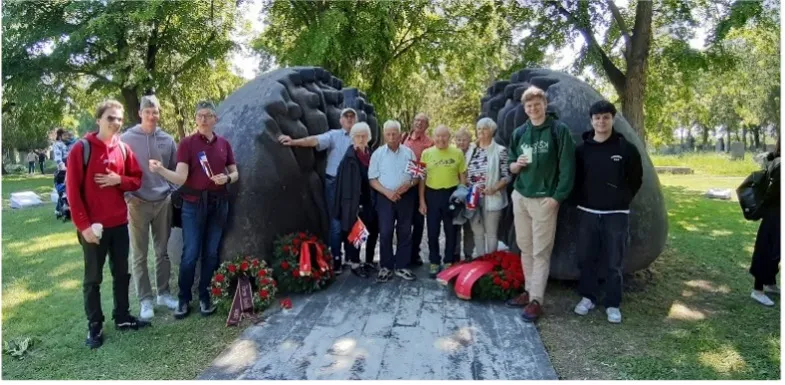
[{"x": 305, "y": 258}]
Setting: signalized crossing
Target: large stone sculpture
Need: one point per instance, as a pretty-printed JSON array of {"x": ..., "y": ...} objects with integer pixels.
[
  {"x": 280, "y": 189},
  {"x": 571, "y": 98}
]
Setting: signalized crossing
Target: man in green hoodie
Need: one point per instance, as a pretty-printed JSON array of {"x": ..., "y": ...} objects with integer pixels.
[{"x": 542, "y": 155}]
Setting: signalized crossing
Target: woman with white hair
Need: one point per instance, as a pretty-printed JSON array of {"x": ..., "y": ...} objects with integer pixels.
[
  {"x": 354, "y": 198},
  {"x": 489, "y": 171}
]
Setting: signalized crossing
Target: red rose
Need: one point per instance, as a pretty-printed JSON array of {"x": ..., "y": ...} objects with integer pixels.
[
  {"x": 295, "y": 273},
  {"x": 264, "y": 294},
  {"x": 262, "y": 273},
  {"x": 244, "y": 266},
  {"x": 216, "y": 291},
  {"x": 286, "y": 303},
  {"x": 516, "y": 284},
  {"x": 232, "y": 268},
  {"x": 497, "y": 281},
  {"x": 505, "y": 285},
  {"x": 219, "y": 277},
  {"x": 275, "y": 284},
  {"x": 255, "y": 262},
  {"x": 285, "y": 265}
]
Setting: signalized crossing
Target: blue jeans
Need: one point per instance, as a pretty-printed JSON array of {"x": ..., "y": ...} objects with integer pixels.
[
  {"x": 203, "y": 227},
  {"x": 335, "y": 239}
]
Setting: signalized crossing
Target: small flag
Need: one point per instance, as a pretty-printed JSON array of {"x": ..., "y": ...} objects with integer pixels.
[
  {"x": 359, "y": 234},
  {"x": 205, "y": 164},
  {"x": 416, "y": 169},
  {"x": 473, "y": 198}
]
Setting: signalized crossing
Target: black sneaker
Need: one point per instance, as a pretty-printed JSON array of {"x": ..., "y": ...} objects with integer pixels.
[
  {"x": 360, "y": 271},
  {"x": 370, "y": 267},
  {"x": 405, "y": 274},
  {"x": 384, "y": 275},
  {"x": 417, "y": 262},
  {"x": 182, "y": 311},
  {"x": 337, "y": 267},
  {"x": 206, "y": 308},
  {"x": 131, "y": 323},
  {"x": 95, "y": 336}
]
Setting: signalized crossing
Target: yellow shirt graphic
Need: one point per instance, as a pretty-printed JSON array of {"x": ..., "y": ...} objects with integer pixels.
[{"x": 443, "y": 166}]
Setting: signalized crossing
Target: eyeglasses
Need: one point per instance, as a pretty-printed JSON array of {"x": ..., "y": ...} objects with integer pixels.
[{"x": 204, "y": 116}]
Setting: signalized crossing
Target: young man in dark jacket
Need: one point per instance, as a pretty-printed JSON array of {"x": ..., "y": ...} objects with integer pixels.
[{"x": 608, "y": 175}]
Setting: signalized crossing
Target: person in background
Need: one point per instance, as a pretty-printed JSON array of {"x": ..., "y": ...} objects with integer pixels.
[
  {"x": 488, "y": 170},
  {"x": 766, "y": 255},
  {"x": 608, "y": 174},
  {"x": 397, "y": 194},
  {"x": 98, "y": 211},
  {"x": 354, "y": 198},
  {"x": 41, "y": 160},
  {"x": 64, "y": 140},
  {"x": 150, "y": 207},
  {"x": 418, "y": 141},
  {"x": 542, "y": 154},
  {"x": 31, "y": 159},
  {"x": 463, "y": 140},
  {"x": 336, "y": 143},
  {"x": 445, "y": 169},
  {"x": 205, "y": 204}
]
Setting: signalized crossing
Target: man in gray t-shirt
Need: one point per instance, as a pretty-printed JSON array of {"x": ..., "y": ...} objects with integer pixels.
[{"x": 149, "y": 208}]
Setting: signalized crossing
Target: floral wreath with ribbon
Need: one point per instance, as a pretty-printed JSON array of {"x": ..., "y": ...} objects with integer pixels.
[
  {"x": 263, "y": 285},
  {"x": 301, "y": 263}
]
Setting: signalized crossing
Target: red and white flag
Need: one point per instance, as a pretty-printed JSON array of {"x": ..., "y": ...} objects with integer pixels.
[
  {"x": 416, "y": 169},
  {"x": 359, "y": 234}
]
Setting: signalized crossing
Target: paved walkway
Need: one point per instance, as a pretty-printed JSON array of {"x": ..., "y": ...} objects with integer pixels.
[{"x": 360, "y": 329}]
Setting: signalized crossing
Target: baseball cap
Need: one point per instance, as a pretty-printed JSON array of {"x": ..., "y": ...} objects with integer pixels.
[{"x": 347, "y": 110}]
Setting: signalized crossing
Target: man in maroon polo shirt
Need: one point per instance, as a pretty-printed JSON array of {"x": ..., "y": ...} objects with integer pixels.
[
  {"x": 205, "y": 165},
  {"x": 418, "y": 141}
]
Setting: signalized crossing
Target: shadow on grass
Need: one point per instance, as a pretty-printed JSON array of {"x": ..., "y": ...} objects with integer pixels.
[{"x": 691, "y": 319}]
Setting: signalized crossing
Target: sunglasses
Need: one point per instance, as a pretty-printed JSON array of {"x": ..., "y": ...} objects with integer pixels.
[{"x": 118, "y": 119}]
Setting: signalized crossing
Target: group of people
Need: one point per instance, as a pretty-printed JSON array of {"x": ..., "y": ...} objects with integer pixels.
[
  {"x": 34, "y": 156},
  {"x": 122, "y": 188},
  {"x": 385, "y": 190}
]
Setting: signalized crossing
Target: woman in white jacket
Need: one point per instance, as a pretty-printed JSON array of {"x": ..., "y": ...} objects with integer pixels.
[{"x": 489, "y": 171}]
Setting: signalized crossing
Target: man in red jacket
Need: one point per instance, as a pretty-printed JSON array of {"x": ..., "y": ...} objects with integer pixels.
[{"x": 95, "y": 192}]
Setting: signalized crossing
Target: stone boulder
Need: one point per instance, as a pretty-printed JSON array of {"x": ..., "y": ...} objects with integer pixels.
[
  {"x": 281, "y": 188},
  {"x": 571, "y": 99}
]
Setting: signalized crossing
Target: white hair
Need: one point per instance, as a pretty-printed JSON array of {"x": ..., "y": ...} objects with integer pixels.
[
  {"x": 393, "y": 124},
  {"x": 487, "y": 123},
  {"x": 359, "y": 128}
]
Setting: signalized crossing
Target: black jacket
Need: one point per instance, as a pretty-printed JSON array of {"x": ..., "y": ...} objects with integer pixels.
[
  {"x": 352, "y": 190},
  {"x": 607, "y": 174}
]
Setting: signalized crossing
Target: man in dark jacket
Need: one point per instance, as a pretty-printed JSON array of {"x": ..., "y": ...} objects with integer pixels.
[{"x": 608, "y": 174}]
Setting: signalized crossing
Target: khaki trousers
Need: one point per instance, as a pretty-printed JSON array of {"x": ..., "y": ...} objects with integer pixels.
[
  {"x": 535, "y": 231},
  {"x": 144, "y": 217},
  {"x": 485, "y": 227}
]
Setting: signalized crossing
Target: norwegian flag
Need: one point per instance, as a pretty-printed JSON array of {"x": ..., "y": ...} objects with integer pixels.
[
  {"x": 473, "y": 197},
  {"x": 359, "y": 234},
  {"x": 416, "y": 169},
  {"x": 205, "y": 164}
]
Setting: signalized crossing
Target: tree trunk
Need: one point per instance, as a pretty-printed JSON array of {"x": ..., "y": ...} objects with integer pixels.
[
  {"x": 634, "y": 91},
  {"x": 131, "y": 99},
  {"x": 705, "y": 137},
  {"x": 756, "y": 136}
]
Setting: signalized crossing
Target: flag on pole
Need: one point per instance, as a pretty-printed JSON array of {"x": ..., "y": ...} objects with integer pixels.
[
  {"x": 416, "y": 169},
  {"x": 359, "y": 234},
  {"x": 205, "y": 164}
]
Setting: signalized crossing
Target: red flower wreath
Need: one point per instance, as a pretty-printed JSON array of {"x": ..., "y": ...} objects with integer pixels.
[
  {"x": 286, "y": 264},
  {"x": 224, "y": 282}
]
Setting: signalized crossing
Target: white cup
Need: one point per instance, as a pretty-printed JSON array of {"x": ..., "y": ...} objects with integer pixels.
[
  {"x": 527, "y": 152},
  {"x": 98, "y": 229}
]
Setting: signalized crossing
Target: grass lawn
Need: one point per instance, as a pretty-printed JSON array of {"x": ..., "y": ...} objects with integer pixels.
[
  {"x": 691, "y": 318},
  {"x": 42, "y": 298},
  {"x": 709, "y": 163}
]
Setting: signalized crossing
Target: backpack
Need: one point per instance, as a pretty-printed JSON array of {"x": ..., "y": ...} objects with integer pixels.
[
  {"x": 86, "y": 153},
  {"x": 753, "y": 191}
]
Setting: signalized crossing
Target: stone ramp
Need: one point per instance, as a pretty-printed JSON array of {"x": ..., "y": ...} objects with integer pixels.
[{"x": 360, "y": 329}]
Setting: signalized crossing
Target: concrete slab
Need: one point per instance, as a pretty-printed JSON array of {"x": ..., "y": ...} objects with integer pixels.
[{"x": 360, "y": 329}]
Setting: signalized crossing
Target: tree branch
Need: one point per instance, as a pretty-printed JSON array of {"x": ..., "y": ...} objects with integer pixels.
[{"x": 625, "y": 32}]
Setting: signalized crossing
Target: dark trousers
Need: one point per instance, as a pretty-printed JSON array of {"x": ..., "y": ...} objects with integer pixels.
[
  {"x": 30, "y": 167},
  {"x": 602, "y": 245},
  {"x": 418, "y": 225},
  {"x": 203, "y": 225},
  {"x": 335, "y": 239},
  {"x": 41, "y": 165},
  {"x": 371, "y": 223},
  {"x": 766, "y": 256},
  {"x": 395, "y": 216},
  {"x": 440, "y": 215},
  {"x": 114, "y": 241}
]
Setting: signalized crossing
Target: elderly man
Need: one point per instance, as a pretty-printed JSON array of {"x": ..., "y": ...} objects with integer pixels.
[
  {"x": 150, "y": 208},
  {"x": 205, "y": 203},
  {"x": 396, "y": 201},
  {"x": 335, "y": 142},
  {"x": 445, "y": 169},
  {"x": 417, "y": 141},
  {"x": 463, "y": 140}
]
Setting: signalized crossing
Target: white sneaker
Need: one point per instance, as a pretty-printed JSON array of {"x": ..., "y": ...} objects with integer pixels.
[
  {"x": 583, "y": 307},
  {"x": 614, "y": 315},
  {"x": 147, "y": 310},
  {"x": 761, "y": 298},
  {"x": 773, "y": 289},
  {"x": 168, "y": 301}
]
